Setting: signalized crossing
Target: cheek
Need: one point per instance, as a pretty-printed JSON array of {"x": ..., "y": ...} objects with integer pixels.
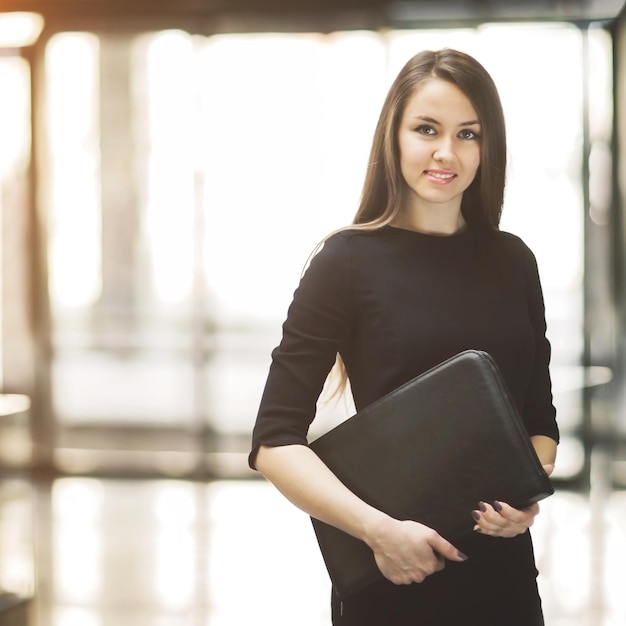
[
  {"x": 473, "y": 161},
  {"x": 412, "y": 153}
]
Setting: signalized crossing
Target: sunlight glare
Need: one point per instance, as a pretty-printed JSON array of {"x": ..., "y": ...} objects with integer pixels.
[
  {"x": 78, "y": 575},
  {"x": 72, "y": 127},
  {"x": 20, "y": 28},
  {"x": 170, "y": 201}
]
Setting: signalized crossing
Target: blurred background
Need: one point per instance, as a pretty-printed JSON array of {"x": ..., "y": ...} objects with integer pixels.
[{"x": 166, "y": 167}]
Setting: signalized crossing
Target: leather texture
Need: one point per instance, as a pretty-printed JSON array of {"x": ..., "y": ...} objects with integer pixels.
[{"x": 429, "y": 451}]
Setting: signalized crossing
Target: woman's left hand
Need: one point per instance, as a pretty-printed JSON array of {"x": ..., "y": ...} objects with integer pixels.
[{"x": 501, "y": 520}]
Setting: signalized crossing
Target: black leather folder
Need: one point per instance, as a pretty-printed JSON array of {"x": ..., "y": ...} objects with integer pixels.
[{"x": 429, "y": 451}]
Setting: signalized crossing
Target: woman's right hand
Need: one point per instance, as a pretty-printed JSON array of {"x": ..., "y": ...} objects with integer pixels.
[{"x": 407, "y": 552}]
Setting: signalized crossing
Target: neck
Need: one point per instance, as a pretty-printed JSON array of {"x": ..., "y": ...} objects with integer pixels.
[{"x": 436, "y": 221}]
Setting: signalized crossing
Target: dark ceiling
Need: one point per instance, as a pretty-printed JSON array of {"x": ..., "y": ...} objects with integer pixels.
[{"x": 221, "y": 15}]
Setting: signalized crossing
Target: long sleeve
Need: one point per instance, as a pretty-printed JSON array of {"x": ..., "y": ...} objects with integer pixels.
[
  {"x": 317, "y": 324},
  {"x": 538, "y": 410}
]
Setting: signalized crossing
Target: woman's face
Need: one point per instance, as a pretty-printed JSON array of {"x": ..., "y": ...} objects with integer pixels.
[{"x": 439, "y": 140}]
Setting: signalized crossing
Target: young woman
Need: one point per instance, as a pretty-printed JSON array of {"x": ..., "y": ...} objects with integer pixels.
[{"x": 422, "y": 274}]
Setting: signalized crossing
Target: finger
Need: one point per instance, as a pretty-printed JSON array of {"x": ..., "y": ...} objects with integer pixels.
[
  {"x": 519, "y": 516},
  {"x": 489, "y": 521},
  {"x": 500, "y": 528},
  {"x": 441, "y": 562},
  {"x": 419, "y": 574},
  {"x": 509, "y": 531},
  {"x": 487, "y": 515},
  {"x": 549, "y": 468},
  {"x": 502, "y": 520},
  {"x": 445, "y": 549}
]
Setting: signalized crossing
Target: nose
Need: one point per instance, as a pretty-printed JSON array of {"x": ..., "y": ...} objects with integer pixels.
[{"x": 443, "y": 149}]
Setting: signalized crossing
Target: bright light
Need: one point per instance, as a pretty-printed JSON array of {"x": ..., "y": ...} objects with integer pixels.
[
  {"x": 170, "y": 193},
  {"x": 19, "y": 29},
  {"x": 73, "y": 140}
]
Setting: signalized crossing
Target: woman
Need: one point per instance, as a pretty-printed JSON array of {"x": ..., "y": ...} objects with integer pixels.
[{"x": 422, "y": 274}]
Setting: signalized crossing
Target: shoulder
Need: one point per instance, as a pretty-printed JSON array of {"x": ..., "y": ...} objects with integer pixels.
[
  {"x": 328, "y": 274},
  {"x": 330, "y": 260},
  {"x": 514, "y": 247},
  {"x": 511, "y": 241},
  {"x": 514, "y": 252},
  {"x": 355, "y": 236},
  {"x": 341, "y": 244}
]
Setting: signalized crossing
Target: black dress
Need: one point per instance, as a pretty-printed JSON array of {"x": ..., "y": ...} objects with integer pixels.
[{"x": 394, "y": 303}]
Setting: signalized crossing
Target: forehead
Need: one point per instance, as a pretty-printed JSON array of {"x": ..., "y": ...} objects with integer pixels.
[{"x": 439, "y": 98}]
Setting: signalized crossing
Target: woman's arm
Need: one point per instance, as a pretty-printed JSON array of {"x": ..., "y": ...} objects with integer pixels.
[
  {"x": 498, "y": 519},
  {"x": 405, "y": 551},
  {"x": 545, "y": 447}
]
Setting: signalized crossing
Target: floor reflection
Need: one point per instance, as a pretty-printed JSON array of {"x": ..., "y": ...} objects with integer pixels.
[{"x": 230, "y": 553}]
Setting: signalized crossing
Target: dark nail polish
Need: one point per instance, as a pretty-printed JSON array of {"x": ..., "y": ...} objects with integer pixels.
[
  {"x": 476, "y": 515},
  {"x": 463, "y": 556},
  {"x": 482, "y": 506},
  {"x": 497, "y": 506}
]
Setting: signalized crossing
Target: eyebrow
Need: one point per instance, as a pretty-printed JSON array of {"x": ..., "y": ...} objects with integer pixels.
[{"x": 431, "y": 120}]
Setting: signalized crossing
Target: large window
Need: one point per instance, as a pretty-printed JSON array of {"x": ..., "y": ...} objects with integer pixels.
[{"x": 190, "y": 178}]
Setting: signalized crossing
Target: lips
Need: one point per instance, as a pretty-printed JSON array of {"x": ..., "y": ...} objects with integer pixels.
[{"x": 440, "y": 175}]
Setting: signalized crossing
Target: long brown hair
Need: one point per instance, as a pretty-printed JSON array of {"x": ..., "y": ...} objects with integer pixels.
[
  {"x": 381, "y": 197},
  {"x": 383, "y": 187}
]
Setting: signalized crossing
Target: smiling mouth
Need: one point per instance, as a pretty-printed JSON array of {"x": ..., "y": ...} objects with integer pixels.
[{"x": 440, "y": 175}]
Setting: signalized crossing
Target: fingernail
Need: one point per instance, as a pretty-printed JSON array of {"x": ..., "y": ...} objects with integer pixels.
[
  {"x": 462, "y": 556},
  {"x": 476, "y": 515},
  {"x": 482, "y": 506},
  {"x": 497, "y": 506},
  {"x": 478, "y": 529}
]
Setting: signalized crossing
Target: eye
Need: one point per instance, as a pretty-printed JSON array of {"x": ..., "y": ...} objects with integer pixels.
[
  {"x": 469, "y": 134},
  {"x": 425, "y": 129}
]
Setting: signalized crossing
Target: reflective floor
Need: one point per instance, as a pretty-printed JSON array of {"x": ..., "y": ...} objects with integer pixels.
[{"x": 231, "y": 553}]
